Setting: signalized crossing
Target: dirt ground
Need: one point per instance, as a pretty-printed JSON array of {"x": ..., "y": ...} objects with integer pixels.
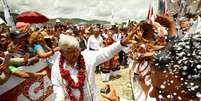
[{"x": 122, "y": 84}]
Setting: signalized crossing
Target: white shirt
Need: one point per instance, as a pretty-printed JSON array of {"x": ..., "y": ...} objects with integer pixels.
[
  {"x": 92, "y": 59},
  {"x": 117, "y": 36},
  {"x": 94, "y": 42},
  {"x": 104, "y": 35}
]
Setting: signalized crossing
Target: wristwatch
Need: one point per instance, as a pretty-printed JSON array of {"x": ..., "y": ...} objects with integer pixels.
[{"x": 52, "y": 51}]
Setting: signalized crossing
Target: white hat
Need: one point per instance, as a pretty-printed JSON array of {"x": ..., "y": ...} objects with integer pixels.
[
  {"x": 69, "y": 31},
  {"x": 57, "y": 20}
]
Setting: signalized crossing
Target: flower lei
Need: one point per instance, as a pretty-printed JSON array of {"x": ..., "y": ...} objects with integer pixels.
[{"x": 71, "y": 84}]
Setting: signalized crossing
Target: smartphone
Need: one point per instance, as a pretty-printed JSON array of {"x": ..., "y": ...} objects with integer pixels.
[{"x": 105, "y": 90}]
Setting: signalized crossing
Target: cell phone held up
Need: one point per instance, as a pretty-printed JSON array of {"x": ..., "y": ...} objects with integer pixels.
[{"x": 105, "y": 90}]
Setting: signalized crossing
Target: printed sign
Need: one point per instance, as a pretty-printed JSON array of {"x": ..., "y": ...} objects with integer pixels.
[{"x": 32, "y": 89}]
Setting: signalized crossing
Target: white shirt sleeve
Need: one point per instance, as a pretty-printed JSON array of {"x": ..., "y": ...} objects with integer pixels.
[
  {"x": 88, "y": 43},
  {"x": 57, "y": 81},
  {"x": 59, "y": 93},
  {"x": 107, "y": 53}
]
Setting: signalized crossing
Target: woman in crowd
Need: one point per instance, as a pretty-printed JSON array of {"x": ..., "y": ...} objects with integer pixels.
[
  {"x": 17, "y": 50},
  {"x": 37, "y": 42},
  {"x": 111, "y": 67}
]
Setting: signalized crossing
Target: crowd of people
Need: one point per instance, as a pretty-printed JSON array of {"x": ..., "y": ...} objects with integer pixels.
[
  {"x": 164, "y": 61},
  {"x": 163, "y": 56}
]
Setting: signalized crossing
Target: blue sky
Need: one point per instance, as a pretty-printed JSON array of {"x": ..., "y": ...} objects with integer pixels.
[{"x": 110, "y": 10}]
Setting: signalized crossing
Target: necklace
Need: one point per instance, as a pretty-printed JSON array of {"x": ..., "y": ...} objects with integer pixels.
[{"x": 65, "y": 74}]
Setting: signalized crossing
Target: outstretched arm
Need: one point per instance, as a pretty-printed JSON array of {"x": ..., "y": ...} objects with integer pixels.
[
  {"x": 42, "y": 54},
  {"x": 108, "y": 52}
]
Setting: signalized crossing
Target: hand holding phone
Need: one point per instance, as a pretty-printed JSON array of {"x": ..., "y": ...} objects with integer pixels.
[
  {"x": 109, "y": 93},
  {"x": 105, "y": 90}
]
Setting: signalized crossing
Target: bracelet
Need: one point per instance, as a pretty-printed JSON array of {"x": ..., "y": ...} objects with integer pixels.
[{"x": 52, "y": 51}]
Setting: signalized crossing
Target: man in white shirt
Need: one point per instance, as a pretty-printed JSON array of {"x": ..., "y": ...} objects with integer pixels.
[
  {"x": 73, "y": 74},
  {"x": 95, "y": 41}
]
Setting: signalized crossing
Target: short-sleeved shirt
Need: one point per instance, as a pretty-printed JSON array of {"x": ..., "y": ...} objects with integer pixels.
[{"x": 37, "y": 47}]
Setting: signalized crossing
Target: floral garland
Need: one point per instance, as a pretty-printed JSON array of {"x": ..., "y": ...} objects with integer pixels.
[{"x": 71, "y": 84}]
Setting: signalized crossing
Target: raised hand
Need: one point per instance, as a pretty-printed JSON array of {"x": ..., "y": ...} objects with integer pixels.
[
  {"x": 168, "y": 22},
  {"x": 130, "y": 35},
  {"x": 112, "y": 95}
]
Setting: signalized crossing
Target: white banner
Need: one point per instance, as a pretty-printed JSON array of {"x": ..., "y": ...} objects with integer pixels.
[{"x": 32, "y": 89}]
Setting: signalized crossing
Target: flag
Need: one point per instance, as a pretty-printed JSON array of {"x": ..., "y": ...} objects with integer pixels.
[
  {"x": 8, "y": 17},
  {"x": 150, "y": 14},
  {"x": 163, "y": 7},
  {"x": 165, "y": 12}
]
